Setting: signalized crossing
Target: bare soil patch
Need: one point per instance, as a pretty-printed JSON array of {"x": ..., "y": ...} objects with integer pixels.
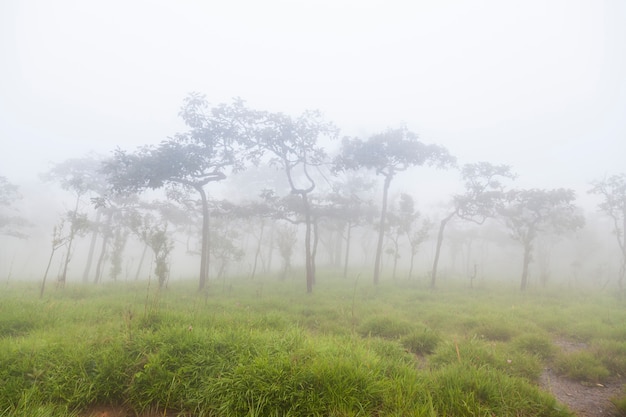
[{"x": 584, "y": 399}]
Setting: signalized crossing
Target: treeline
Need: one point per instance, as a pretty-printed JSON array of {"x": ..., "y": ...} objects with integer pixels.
[{"x": 322, "y": 195}]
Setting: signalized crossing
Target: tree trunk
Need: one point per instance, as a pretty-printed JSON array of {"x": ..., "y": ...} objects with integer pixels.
[
  {"x": 63, "y": 276},
  {"x": 310, "y": 272},
  {"x": 527, "y": 259},
  {"x": 99, "y": 265},
  {"x": 347, "y": 254},
  {"x": 381, "y": 229},
  {"x": 442, "y": 226},
  {"x": 316, "y": 239},
  {"x": 258, "y": 249},
  {"x": 143, "y": 257},
  {"x": 45, "y": 275},
  {"x": 413, "y": 253},
  {"x": 204, "y": 253},
  {"x": 105, "y": 241},
  {"x": 92, "y": 247}
]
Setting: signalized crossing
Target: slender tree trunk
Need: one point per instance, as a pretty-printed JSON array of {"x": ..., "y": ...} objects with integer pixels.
[
  {"x": 92, "y": 247},
  {"x": 45, "y": 275},
  {"x": 100, "y": 263},
  {"x": 105, "y": 241},
  {"x": 63, "y": 276},
  {"x": 442, "y": 226},
  {"x": 258, "y": 249},
  {"x": 143, "y": 257},
  {"x": 270, "y": 250},
  {"x": 381, "y": 229},
  {"x": 347, "y": 254},
  {"x": 411, "y": 264},
  {"x": 316, "y": 239},
  {"x": 338, "y": 248},
  {"x": 622, "y": 270},
  {"x": 527, "y": 259},
  {"x": 395, "y": 258},
  {"x": 310, "y": 272},
  {"x": 204, "y": 255}
]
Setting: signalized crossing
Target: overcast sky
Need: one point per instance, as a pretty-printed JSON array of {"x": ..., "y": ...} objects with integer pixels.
[{"x": 539, "y": 85}]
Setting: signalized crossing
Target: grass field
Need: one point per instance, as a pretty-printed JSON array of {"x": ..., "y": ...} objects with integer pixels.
[{"x": 265, "y": 348}]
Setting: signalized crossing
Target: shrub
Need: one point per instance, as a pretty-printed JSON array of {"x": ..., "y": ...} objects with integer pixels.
[
  {"x": 534, "y": 344},
  {"x": 421, "y": 342},
  {"x": 384, "y": 327},
  {"x": 463, "y": 390},
  {"x": 581, "y": 366}
]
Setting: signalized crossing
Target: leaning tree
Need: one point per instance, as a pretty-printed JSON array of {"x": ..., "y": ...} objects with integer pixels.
[
  {"x": 216, "y": 144},
  {"x": 613, "y": 193},
  {"x": 483, "y": 196},
  {"x": 389, "y": 153},
  {"x": 530, "y": 212}
]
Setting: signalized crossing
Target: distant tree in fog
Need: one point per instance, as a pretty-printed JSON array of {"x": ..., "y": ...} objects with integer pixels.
[
  {"x": 389, "y": 153},
  {"x": 153, "y": 232},
  {"x": 401, "y": 220},
  {"x": 483, "y": 196},
  {"x": 217, "y": 143},
  {"x": 293, "y": 145},
  {"x": 530, "y": 212},
  {"x": 348, "y": 208},
  {"x": 81, "y": 176},
  {"x": 10, "y": 223},
  {"x": 613, "y": 193}
]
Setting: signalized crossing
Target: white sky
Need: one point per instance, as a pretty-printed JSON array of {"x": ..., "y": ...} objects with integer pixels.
[{"x": 538, "y": 84}]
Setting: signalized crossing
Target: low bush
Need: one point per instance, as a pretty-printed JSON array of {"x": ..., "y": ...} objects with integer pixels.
[
  {"x": 581, "y": 366},
  {"x": 421, "y": 342}
]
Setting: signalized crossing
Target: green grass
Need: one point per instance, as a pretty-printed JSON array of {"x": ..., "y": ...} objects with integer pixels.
[{"x": 346, "y": 350}]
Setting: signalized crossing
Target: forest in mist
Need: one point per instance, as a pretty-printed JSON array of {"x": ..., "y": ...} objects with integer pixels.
[{"x": 244, "y": 192}]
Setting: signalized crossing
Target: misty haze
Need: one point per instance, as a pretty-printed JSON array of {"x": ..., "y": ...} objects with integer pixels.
[{"x": 312, "y": 209}]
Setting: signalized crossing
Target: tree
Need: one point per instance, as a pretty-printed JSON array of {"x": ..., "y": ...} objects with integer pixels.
[
  {"x": 293, "y": 145},
  {"x": 217, "y": 143},
  {"x": 349, "y": 207},
  {"x": 388, "y": 154},
  {"x": 483, "y": 196},
  {"x": 82, "y": 177},
  {"x": 286, "y": 238},
  {"x": 10, "y": 224},
  {"x": 154, "y": 233},
  {"x": 530, "y": 212},
  {"x": 400, "y": 222},
  {"x": 613, "y": 193}
]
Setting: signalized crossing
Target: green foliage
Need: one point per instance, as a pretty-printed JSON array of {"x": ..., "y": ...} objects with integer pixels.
[
  {"x": 421, "y": 342},
  {"x": 620, "y": 404},
  {"x": 612, "y": 353},
  {"x": 497, "y": 332},
  {"x": 539, "y": 345},
  {"x": 582, "y": 365},
  {"x": 478, "y": 391},
  {"x": 341, "y": 352},
  {"x": 386, "y": 327},
  {"x": 478, "y": 353}
]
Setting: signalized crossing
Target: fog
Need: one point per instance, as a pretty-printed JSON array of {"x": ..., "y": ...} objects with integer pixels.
[{"x": 538, "y": 86}]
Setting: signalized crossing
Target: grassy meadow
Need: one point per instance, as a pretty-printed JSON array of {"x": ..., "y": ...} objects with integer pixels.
[{"x": 266, "y": 348}]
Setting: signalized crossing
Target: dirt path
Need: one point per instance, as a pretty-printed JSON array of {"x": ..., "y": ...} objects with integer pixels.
[{"x": 586, "y": 400}]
